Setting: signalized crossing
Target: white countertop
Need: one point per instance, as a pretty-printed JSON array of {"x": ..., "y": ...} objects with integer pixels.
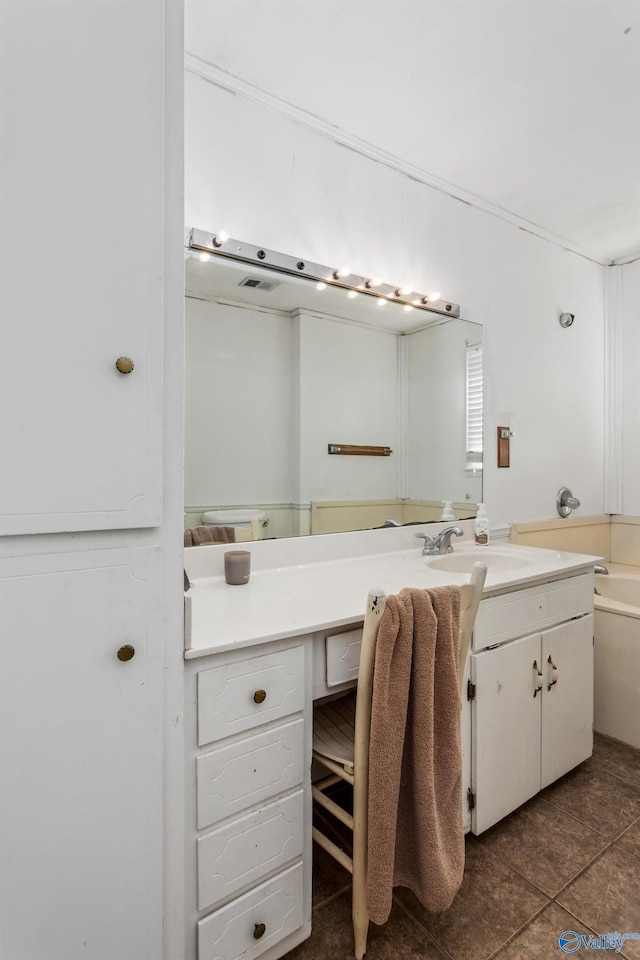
[{"x": 331, "y": 590}]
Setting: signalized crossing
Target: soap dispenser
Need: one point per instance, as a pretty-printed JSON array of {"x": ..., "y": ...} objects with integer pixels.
[
  {"x": 481, "y": 526},
  {"x": 447, "y": 513}
]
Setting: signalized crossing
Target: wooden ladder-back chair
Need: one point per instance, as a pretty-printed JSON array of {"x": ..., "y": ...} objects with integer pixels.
[{"x": 341, "y": 745}]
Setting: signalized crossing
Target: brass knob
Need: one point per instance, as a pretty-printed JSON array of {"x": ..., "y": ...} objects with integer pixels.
[
  {"x": 124, "y": 364},
  {"x": 127, "y": 652},
  {"x": 258, "y": 931},
  {"x": 260, "y": 696}
]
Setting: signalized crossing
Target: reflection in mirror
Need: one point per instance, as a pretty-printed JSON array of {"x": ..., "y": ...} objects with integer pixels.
[{"x": 278, "y": 371}]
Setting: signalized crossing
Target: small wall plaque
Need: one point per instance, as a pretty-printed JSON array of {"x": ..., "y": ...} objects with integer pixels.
[
  {"x": 359, "y": 450},
  {"x": 504, "y": 438}
]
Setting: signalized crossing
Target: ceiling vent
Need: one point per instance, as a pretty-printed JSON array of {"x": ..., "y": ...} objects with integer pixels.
[{"x": 257, "y": 284}]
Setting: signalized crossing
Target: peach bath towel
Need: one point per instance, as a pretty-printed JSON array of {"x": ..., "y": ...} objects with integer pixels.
[
  {"x": 197, "y": 536},
  {"x": 416, "y": 834}
]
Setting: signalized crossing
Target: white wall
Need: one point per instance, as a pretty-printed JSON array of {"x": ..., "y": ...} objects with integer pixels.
[
  {"x": 267, "y": 391},
  {"x": 238, "y": 396},
  {"x": 348, "y": 394},
  {"x": 268, "y": 180},
  {"x": 437, "y": 413},
  {"x": 630, "y": 354}
]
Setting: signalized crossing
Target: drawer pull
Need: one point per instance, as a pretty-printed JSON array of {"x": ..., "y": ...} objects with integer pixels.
[
  {"x": 554, "y": 674},
  {"x": 124, "y": 365},
  {"x": 537, "y": 674},
  {"x": 259, "y": 931},
  {"x": 127, "y": 652},
  {"x": 260, "y": 696}
]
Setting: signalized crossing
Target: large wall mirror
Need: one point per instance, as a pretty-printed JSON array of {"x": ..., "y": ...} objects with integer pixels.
[{"x": 281, "y": 377}]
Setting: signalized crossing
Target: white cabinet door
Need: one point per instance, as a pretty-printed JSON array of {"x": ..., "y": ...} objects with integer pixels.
[
  {"x": 505, "y": 729},
  {"x": 81, "y": 264},
  {"x": 81, "y": 757},
  {"x": 567, "y": 703}
]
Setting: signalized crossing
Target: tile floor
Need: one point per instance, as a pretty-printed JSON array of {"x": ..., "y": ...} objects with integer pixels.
[{"x": 567, "y": 860}]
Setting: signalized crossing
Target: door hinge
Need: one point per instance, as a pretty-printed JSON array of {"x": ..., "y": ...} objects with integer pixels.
[
  {"x": 471, "y": 799},
  {"x": 471, "y": 690}
]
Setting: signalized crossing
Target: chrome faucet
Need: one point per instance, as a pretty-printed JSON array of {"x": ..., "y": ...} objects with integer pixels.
[
  {"x": 599, "y": 568},
  {"x": 434, "y": 546}
]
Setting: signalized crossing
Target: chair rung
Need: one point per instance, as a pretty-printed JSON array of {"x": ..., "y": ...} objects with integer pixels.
[
  {"x": 335, "y": 767},
  {"x": 334, "y": 808},
  {"x": 332, "y": 849},
  {"x": 327, "y": 781}
]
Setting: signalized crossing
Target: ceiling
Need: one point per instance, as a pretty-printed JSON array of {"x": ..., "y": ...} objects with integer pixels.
[{"x": 530, "y": 106}]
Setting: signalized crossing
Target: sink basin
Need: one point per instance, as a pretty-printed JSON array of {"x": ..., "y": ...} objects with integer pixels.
[{"x": 464, "y": 562}]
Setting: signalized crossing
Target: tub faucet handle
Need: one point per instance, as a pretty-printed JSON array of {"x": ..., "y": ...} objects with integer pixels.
[{"x": 566, "y": 502}]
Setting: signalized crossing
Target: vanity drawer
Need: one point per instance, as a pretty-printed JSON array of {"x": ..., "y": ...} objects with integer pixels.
[
  {"x": 535, "y": 608},
  {"x": 248, "y": 926},
  {"x": 243, "y": 694},
  {"x": 237, "y": 776},
  {"x": 249, "y": 847},
  {"x": 343, "y": 656}
]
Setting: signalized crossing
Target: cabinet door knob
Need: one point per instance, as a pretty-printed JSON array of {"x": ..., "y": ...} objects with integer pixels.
[
  {"x": 124, "y": 364},
  {"x": 260, "y": 696},
  {"x": 126, "y": 652},
  {"x": 259, "y": 931}
]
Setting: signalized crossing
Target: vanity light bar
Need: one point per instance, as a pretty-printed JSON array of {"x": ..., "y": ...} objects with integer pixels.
[{"x": 220, "y": 245}]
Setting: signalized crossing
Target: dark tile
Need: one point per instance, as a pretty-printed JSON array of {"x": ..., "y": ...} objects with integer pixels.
[
  {"x": 544, "y": 844},
  {"x": 540, "y": 939},
  {"x": 400, "y": 938},
  {"x": 492, "y": 904},
  {"x": 613, "y": 756},
  {"x": 329, "y": 877},
  {"x": 607, "y": 896},
  {"x": 630, "y": 840},
  {"x": 601, "y": 801}
]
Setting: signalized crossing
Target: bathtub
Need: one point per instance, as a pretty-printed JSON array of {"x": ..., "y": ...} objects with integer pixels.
[{"x": 617, "y": 657}]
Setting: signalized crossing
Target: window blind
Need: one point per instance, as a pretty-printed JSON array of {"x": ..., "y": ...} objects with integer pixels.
[{"x": 474, "y": 407}]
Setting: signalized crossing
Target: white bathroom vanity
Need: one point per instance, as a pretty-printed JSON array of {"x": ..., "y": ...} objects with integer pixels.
[{"x": 258, "y": 655}]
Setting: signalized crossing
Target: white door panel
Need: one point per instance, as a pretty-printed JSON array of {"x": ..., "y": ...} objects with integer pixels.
[
  {"x": 81, "y": 260},
  {"x": 81, "y": 757},
  {"x": 567, "y": 705},
  {"x": 506, "y": 730}
]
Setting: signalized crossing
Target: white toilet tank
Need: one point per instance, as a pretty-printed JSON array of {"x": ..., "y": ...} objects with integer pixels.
[{"x": 234, "y": 518}]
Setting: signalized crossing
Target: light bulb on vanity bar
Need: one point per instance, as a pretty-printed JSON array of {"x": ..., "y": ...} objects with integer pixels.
[{"x": 342, "y": 272}]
